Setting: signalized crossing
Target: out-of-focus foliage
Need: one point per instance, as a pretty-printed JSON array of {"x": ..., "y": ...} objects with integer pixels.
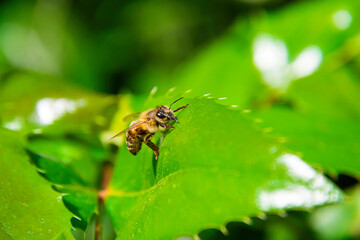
[
  {"x": 339, "y": 221},
  {"x": 62, "y": 124},
  {"x": 103, "y": 44},
  {"x": 42, "y": 104},
  {"x": 292, "y": 65},
  {"x": 325, "y": 142},
  {"x": 29, "y": 208}
]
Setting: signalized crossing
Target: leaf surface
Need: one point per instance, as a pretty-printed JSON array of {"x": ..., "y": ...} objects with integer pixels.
[
  {"x": 214, "y": 165},
  {"x": 29, "y": 208},
  {"x": 75, "y": 167},
  {"x": 330, "y": 143}
]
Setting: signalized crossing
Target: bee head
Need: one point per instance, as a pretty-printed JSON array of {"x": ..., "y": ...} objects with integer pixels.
[{"x": 165, "y": 115}]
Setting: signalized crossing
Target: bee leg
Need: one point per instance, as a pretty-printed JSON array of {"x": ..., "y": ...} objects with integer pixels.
[
  {"x": 152, "y": 145},
  {"x": 163, "y": 125},
  {"x": 181, "y": 108},
  {"x": 155, "y": 148}
]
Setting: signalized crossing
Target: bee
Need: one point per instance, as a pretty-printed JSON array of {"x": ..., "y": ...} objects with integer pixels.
[{"x": 149, "y": 122}]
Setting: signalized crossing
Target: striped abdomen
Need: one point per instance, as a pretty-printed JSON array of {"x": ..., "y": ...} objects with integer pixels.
[{"x": 133, "y": 143}]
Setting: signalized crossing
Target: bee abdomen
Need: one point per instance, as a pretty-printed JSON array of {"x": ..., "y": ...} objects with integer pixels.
[{"x": 133, "y": 143}]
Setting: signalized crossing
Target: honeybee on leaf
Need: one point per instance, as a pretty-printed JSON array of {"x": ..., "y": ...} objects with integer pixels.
[{"x": 149, "y": 122}]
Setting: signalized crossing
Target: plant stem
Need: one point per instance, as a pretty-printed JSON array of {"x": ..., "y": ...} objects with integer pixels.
[{"x": 105, "y": 179}]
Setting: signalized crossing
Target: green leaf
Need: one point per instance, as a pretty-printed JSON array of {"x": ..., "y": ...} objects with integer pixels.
[
  {"x": 63, "y": 124},
  {"x": 66, "y": 148},
  {"x": 326, "y": 224},
  {"x": 29, "y": 208},
  {"x": 330, "y": 30},
  {"x": 216, "y": 167},
  {"x": 74, "y": 166},
  {"x": 224, "y": 69},
  {"x": 329, "y": 143},
  {"x": 35, "y": 103},
  {"x": 339, "y": 96},
  {"x": 64, "y": 159},
  {"x": 259, "y": 58},
  {"x": 81, "y": 202}
]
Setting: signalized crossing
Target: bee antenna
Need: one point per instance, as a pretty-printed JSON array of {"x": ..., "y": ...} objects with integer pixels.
[{"x": 175, "y": 102}]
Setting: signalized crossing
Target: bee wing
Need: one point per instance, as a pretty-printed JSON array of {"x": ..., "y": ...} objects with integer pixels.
[
  {"x": 131, "y": 117},
  {"x": 131, "y": 127}
]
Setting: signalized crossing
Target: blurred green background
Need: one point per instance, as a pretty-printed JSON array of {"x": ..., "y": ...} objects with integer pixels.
[
  {"x": 296, "y": 63},
  {"x": 114, "y": 45}
]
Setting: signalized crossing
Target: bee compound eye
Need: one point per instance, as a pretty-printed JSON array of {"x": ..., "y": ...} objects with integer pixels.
[{"x": 160, "y": 115}]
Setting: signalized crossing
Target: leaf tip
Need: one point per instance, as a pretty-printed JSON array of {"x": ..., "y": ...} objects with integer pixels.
[
  {"x": 189, "y": 90},
  {"x": 224, "y": 230},
  {"x": 262, "y": 215},
  {"x": 247, "y": 220},
  {"x": 153, "y": 91},
  {"x": 196, "y": 237},
  {"x": 282, "y": 213},
  {"x": 171, "y": 90}
]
